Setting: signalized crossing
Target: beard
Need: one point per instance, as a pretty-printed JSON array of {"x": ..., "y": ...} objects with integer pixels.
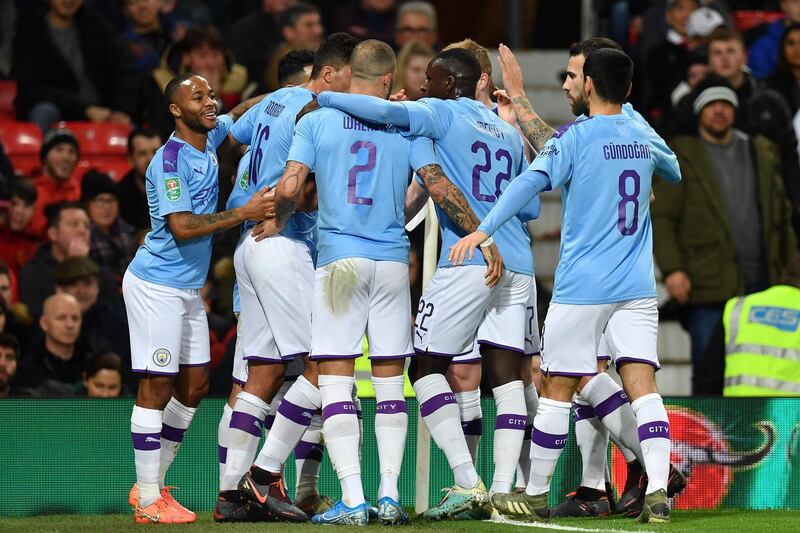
[
  {"x": 580, "y": 106},
  {"x": 196, "y": 125}
]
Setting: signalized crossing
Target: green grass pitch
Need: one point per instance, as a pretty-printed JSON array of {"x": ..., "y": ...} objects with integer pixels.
[{"x": 728, "y": 521}]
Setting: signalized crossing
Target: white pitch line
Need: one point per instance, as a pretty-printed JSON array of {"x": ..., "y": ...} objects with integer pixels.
[{"x": 560, "y": 527}]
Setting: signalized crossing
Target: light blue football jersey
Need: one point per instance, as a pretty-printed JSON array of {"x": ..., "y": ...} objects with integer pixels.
[
  {"x": 604, "y": 166},
  {"x": 362, "y": 171},
  {"x": 240, "y": 195},
  {"x": 180, "y": 178},
  {"x": 268, "y": 128}
]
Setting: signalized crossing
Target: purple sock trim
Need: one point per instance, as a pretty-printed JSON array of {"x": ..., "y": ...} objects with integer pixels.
[
  {"x": 247, "y": 423},
  {"x": 528, "y": 431},
  {"x": 473, "y": 427},
  {"x": 610, "y": 404},
  {"x": 338, "y": 408},
  {"x": 269, "y": 421},
  {"x": 391, "y": 407},
  {"x": 510, "y": 422},
  {"x": 653, "y": 430},
  {"x": 582, "y": 411},
  {"x": 432, "y": 405},
  {"x": 146, "y": 442},
  {"x": 547, "y": 440},
  {"x": 223, "y": 454},
  {"x": 297, "y": 414},
  {"x": 172, "y": 433},
  {"x": 308, "y": 450}
]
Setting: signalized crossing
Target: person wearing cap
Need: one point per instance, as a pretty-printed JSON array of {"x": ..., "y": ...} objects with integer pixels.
[
  {"x": 55, "y": 182},
  {"x": 725, "y": 230},
  {"x": 104, "y": 326},
  {"x": 111, "y": 244}
]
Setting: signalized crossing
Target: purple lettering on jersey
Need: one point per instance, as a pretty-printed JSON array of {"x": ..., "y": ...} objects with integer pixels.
[
  {"x": 622, "y": 207},
  {"x": 169, "y": 156},
  {"x": 372, "y": 154}
]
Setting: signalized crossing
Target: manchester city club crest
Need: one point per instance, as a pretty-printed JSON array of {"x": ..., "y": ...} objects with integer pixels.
[
  {"x": 162, "y": 357},
  {"x": 213, "y": 158}
]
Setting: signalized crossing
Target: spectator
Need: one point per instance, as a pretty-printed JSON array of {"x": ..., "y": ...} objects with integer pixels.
[
  {"x": 9, "y": 356},
  {"x": 6, "y": 290},
  {"x": 55, "y": 365},
  {"x": 764, "y": 53},
  {"x": 145, "y": 35},
  {"x": 111, "y": 242},
  {"x": 142, "y": 146},
  {"x": 254, "y": 38},
  {"x": 17, "y": 238},
  {"x": 59, "y": 156},
  {"x": 68, "y": 234},
  {"x": 412, "y": 63},
  {"x": 14, "y": 317},
  {"x": 725, "y": 229},
  {"x": 103, "y": 376},
  {"x": 295, "y": 68},
  {"x": 760, "y": 355},
  {"x": 301, "y": 29},
  {"x": 696, "y": 70},
  {"x": 104, "y": 326},
  {"x": 416, "y": 21},
  {"x": 69, "y": 65},
  {"x": 365, "y": 19},
  {"x": 785, "y": 80}
]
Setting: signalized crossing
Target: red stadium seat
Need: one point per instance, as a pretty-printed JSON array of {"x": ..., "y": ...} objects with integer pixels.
[
  {"x": 115, "y": 167},
  {"x": 100, "y": 138},
  {"x": 746, "y": 19},
  {"x": 22, "y": 141},
  {"x": 8, "y": 92}
]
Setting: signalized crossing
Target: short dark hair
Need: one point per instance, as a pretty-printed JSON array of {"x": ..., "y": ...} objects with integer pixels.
[
  {"x": 200, "y": 35},
  {"x": 723, "y": 34},
  {"x": 53, "y": 212},
  {"x": 588, "y": 46},
  {"x": 10, "y": 341},
  {"x": 611, "y": 72},
  {"x": 24, "y": 189},
  {"x": 334, "y": 52},
  {"x": 174, "y": 84},
  {"x": 463, "y": 66},
  {"x": 140, "y": 132},
  {"x": 102, "y": 361},
  {"x": 293, "y": 13},
  {"x": 293, "y": 63}
]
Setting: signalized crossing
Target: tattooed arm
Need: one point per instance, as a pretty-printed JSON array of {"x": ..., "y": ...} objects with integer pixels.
[
  {"x": 448, "y": 197},
  {"x": 287, "y": 192},
  {"x": 185, "y": 225}
]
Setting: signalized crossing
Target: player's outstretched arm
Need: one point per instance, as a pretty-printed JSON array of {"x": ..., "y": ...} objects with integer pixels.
[
  {"x": 536, "y": 130},
  {"x": 240, "y": 109},
  {"x": 370, "y": 108},
  {"x": 185, "y": 225}
]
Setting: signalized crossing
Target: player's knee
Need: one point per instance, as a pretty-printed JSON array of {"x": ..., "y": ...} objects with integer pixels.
[
  {"x": 505, "y": 366},
  {"x": 425, "y": 365},
  {"x": 194, "y": 393}
]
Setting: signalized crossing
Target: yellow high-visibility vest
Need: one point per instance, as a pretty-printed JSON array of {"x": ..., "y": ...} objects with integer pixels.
[
  {"x": 364, "y": 376},
  {"x": 762, "y": 343}
]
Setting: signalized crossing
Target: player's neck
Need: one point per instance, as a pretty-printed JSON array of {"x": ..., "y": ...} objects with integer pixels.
[
  {"x": 366, "y": 87},
  {"x": 599, "y": 107},
  {"x": 316, "y": 86},
  {"x": 195, "y": 139}
]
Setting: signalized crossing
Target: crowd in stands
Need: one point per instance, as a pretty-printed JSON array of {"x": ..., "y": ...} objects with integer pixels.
[{"x": 89, "y": 114}]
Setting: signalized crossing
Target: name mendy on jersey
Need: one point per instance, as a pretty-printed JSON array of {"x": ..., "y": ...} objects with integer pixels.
[{"x": 491, "y": 129}]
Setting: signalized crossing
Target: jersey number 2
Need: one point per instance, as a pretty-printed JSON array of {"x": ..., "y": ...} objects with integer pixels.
[
  {"x": 622, "y": 207},
  {"x": 372, "y": 152}
]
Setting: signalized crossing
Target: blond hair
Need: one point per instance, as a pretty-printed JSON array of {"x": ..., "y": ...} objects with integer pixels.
[{"x": 411, "y": 49}]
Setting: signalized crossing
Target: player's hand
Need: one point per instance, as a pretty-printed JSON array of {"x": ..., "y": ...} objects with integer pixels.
[
  {"x": 494, "y": 264},
  {"x": 265, "y": 229},
  {"x": 513, "y": 81},
  {"x": 260, "y": 205},
  {"x": 465, "y": 247},
  {"x": 95, "y": 113},
  {"x": 679, "y": 286},
  {"x": 399, "y": 96},
  {"x": 504, "y": 108}
]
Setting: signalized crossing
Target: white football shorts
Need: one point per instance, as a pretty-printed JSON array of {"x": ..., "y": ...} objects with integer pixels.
[
  {"x": 276, "y": 282},
  {"x": 572, "y": 333},
  {"x": 356, "y": 295},
  {"x": 458, "y": 308},
  {"x": 168, "y": 327}
]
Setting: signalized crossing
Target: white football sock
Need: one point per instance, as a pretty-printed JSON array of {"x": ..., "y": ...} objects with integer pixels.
[
  {"x": 222, "y": 439},
  {"x": 299, "y": 405},
  {"x": 550, "y": 428},
  {"x": 146, "y": 436},
  {"x": 626, "y": 452},
  {"x": 654, "y": 435},
  {"x": 247, "y": 421},
  {"x": 175, "y": 422},
  {"x": 391, "y": 427},
  {"x": 308, "y": 458},
  {"x": 340, "y": 427},
  {"x": 360, "y": 416},
  {"x": 592, "y": 438},
  {"x": 612, "y": 408},
  {"x": 469, "y": 405},
  {"x": 508, "y": 434},
  {"x": 439, "y": 410},
  {"x": 524, "y": 465}
]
